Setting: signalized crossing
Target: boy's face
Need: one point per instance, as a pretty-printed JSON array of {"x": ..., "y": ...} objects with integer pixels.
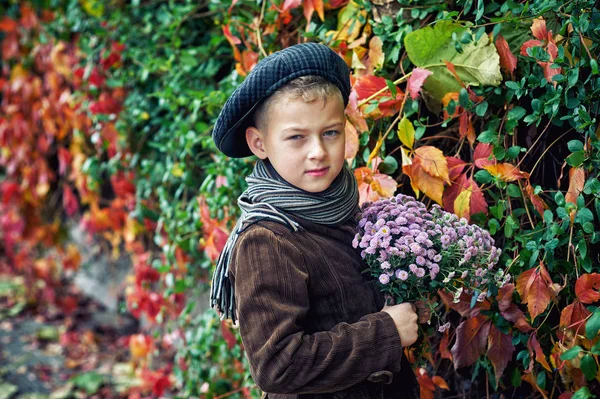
[{"x": 305, "y": 142}]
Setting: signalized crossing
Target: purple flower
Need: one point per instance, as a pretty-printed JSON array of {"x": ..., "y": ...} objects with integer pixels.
[
  {"x": 420, "y": 261},
  {"x": 402, "y": 274},
  {"x": 420, "y": 272},
  {"x": 385, "y": 265},
  {"x": 384, "y": 278},
  {"x": 444, "y": 327}
]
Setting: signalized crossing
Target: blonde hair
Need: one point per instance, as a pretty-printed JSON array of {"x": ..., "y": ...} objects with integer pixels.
[{"x": 310, "y": 88}]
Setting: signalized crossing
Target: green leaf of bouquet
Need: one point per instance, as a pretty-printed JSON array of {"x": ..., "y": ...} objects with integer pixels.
[
  {"x": 571, "y": 353},
  {"x": 478, "y": 64}
]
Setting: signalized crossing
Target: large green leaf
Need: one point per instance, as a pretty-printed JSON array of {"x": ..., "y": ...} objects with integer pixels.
[{"x": 478, "y": 64}]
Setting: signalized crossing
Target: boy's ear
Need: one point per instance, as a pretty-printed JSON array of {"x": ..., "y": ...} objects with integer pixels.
[{"x": 255, "y": 140}]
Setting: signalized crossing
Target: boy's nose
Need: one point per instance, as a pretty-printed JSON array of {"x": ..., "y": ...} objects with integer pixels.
[{"x": 317, "y": 150}]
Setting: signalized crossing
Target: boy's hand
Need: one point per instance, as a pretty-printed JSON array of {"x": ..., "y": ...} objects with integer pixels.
[{"x": 405, "y": 318}]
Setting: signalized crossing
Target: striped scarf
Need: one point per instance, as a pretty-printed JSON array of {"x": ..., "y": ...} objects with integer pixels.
[{"x": 270, "y": 197}]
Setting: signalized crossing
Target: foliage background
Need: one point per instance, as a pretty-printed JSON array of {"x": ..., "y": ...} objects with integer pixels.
[{"x": 107, "y": 109}]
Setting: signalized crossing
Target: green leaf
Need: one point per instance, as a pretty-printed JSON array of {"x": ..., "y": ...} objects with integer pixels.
[
  {"x": 571, "y": 353},
  {"x": 406, "y": 132},
  {"x": 575, "y": 145},
  {"x": 389, "y": 165},
  {"x": 583, "y": 393},
  {"x": 91, "y": 381},
  {"x": 483, "y": 176},
  {"x": 559, "y": 198},
  {"x": 592, "y": 186},
  {"x": 478, "y": 64},
  {"x": 513, "y": 191},
  {"x": 592, "y": 326},
  {"x": 541, "y": 379},
  {"x": 584, "y": 215},
  {"x": 516, "y": 113},
  {"x": 481, "y": 108},
  {"x": 589, "y": 367}
]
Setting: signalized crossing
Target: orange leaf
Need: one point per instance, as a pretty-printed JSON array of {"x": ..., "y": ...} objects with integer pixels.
[
  {"x": 587, "y": 288},
  {"x": 433, "y": 161},
  {"x": 538, "y": 28},
  {"x": 538, "y": 203},
  {"x": 534, "y": 345},
  {"x": 452, "y": 70},
  {"x": 500, "y": 350},
  {"x": 534, "y": 287},
  {"x": 573, "y": 317},
  {"x": 465, "y": 127},
  {"x": 440, "y": 382},
  {"x": 443, "y": 348},
  {"x": 376, "y": 56},
  {"x": 453, "y": 95},
  {"x": 426, "y": 384},
  {"x": 576, "y": 182},
  {"x": 352, "y": 144},
  {"x": 373, "y": 185},
  {"x": 471, "y": 338},
  {"x": 420, "y": 180},
  {"x": 528, "y": 44},
  {"x": 532, "y": 380},
  {"x": 508, "y": 61},
  {"x": 506, "y": 171}
]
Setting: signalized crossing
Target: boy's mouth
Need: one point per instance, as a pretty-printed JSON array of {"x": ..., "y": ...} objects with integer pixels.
[{"x": 317, "y": 172}]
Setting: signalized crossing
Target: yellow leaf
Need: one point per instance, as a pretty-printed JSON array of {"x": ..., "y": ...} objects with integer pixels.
[
  {"x": 376, "y": 55},
  {"x": 356, "y": 63},
  {"x": 462, "y": 203},
  {"x": 406, "y": 132},
  {"x": 405, "y": 158},
  {"x": 433, "y": 162},
  {"x": 375, "y": 151},
  {"x": 95, "y": 8},
  {"x": 348, "y": 27}
]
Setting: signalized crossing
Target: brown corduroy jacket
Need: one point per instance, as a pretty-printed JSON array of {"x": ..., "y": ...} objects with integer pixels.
[{"x": 309, "y": 320}]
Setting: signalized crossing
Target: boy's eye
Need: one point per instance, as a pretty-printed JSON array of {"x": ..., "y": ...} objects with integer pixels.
[
  {"x": 295, "y": 137},
  {"x": 331, "y": 133}
]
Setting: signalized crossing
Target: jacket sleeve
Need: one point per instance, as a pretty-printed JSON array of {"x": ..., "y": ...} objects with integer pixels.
[{"x": 272, "y": 299}]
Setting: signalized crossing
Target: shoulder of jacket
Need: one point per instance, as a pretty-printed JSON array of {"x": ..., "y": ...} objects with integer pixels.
[{"x": 267, "y": 227}]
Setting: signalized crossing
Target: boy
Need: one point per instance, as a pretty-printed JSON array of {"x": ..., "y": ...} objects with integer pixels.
[{"x": 311, "y": 325}]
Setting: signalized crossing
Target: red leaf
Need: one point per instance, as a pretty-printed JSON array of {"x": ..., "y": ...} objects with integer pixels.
[
  {"x": 528, "y": 44},
  {"x": 70, "y": 202},
  {"x": 8, "y": 25},
  {"x": 537, "y": 202},
  {"x": 534, "y": 286},
  {"x": 455, "y": 167},
  {"x": 508, "y": 61},
  {"x": 471, "y": 338},
  {"x": 482, "y": 154},
  {"x": 368, "y": 85},
  {"x": 500, "y": 350},
  {"x": 228, "y": 335},
  {"x": 64, "y": 160},
  {"x": 509, "y": 310},
  {"x": 587, "y": 288},
  {"x": 416, "y": 80},
  {"x": 549, "y": 72},
  {"x": 230, "y": 38}
]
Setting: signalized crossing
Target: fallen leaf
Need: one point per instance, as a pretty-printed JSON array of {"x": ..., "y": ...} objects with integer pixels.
[
  {"x": 471, "y": 338},
  {"x": 576, "y": 182},
  {"x": 534, "y": 287},
  {"x": 500, "y": 350}
]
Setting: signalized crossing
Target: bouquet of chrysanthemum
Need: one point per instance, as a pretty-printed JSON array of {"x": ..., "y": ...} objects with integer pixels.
[{"x": 413, "y": 252}]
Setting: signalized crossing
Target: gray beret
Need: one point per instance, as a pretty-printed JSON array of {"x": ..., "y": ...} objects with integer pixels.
[{"x": 268, "y": 75}]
